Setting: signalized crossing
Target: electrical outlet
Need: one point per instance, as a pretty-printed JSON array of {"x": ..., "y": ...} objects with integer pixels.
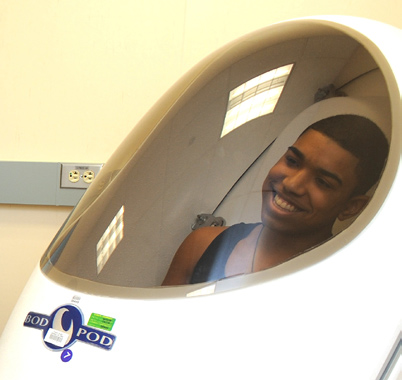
[
  {"x": 78, "y": 176},
  {"x": 74, "y": 176},
  {"x": 88, "y": 176}
]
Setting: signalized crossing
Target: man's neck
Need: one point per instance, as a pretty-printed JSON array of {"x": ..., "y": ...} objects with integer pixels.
[{"x": 274, "y": 248}]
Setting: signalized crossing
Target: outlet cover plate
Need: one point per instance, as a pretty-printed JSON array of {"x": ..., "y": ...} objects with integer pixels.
[{"x": 80, "y": 174}]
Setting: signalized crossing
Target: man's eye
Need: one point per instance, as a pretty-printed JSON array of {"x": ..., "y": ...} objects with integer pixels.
[
  {"x": 323, "y": 183},
  {"x": 291, "y": 161}
]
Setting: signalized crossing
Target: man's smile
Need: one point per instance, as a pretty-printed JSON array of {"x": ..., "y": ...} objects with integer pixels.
[{"x": 284, "y": 204}]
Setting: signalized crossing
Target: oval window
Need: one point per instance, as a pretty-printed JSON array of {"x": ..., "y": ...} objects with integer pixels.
[{"x": 200, "y": 158}]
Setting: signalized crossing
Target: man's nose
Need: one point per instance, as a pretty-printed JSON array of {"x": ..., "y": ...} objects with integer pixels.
[{"x": 296, "y": 182}]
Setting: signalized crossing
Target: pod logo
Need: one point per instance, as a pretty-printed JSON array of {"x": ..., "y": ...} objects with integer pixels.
[{"x": 65, "y": 326}]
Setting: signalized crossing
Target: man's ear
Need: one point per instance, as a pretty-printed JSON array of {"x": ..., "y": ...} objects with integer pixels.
[{"x": 354, "y": 206}]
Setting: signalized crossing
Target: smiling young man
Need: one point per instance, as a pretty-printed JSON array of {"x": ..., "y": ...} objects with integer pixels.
[{"x": 322, "y": 177}]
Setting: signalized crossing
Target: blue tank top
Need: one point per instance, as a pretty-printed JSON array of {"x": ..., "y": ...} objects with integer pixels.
[{"x": 211, "y": 266}]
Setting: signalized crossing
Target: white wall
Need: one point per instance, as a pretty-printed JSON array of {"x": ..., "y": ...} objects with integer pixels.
[{"x": 76, "y": 76}]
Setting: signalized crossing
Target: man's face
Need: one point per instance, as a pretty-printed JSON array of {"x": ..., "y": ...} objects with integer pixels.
[{"x": 310, "y": 186}]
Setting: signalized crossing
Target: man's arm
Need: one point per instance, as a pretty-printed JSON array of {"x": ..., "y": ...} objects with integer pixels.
[{"x": 188, "y": 254}]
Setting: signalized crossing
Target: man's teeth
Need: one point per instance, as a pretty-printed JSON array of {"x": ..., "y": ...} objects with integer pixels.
[{"x": 283, "y": 204}]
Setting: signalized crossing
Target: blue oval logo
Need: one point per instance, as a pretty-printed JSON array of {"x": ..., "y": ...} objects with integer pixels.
[{"x": 65, "y": 326}]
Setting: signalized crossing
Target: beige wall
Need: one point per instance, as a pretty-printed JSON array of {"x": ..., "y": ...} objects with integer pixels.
[{"x": 76, "y": 76}]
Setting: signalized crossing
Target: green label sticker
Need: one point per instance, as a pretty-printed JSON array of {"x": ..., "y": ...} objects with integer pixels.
[{"x": 101, "y": 322}]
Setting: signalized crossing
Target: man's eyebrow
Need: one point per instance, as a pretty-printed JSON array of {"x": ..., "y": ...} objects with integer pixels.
[
  {"x": 296, "y": 152},
  {"x": 322, "y": 171}
]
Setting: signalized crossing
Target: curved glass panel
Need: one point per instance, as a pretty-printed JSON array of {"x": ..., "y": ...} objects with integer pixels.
[{"x": 175, "y": 166}]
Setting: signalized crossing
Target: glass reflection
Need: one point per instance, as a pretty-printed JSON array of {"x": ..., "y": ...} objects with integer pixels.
[{"x": 184, "y": 168}]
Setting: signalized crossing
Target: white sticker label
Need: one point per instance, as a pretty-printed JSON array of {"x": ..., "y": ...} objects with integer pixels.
[{"x": 58, "y": 338}]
